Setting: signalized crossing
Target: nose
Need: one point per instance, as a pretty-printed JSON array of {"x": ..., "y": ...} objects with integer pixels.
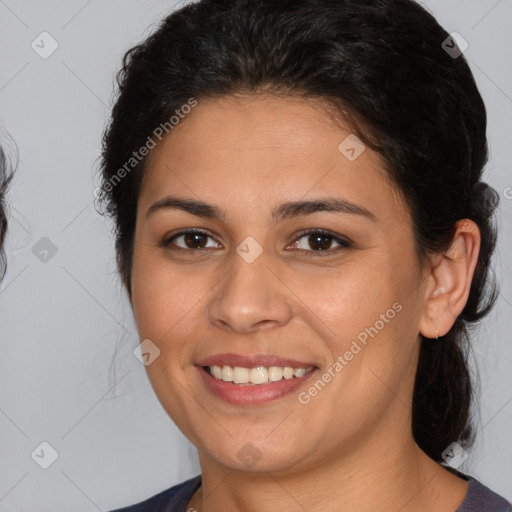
[{"x": 250, "y": 297}]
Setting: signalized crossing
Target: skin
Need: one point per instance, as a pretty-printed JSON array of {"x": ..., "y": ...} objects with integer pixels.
[{"x": 351, "y": 447}]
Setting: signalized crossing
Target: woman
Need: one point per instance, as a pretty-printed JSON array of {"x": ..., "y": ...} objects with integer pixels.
[{"x": 304, "y": 238}]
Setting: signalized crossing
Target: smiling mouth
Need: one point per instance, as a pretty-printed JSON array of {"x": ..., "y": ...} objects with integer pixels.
[{"x": 255, "y": 376}]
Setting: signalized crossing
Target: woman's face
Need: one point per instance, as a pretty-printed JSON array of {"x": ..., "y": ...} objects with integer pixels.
[{"x": 260, "y": 287}]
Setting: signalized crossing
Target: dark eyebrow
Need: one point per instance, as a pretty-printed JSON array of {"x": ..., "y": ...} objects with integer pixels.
[
  {"x": 283, "y": 211},
  {"x": 330, "y": 204},
  {"x": 199, "y": 208}
]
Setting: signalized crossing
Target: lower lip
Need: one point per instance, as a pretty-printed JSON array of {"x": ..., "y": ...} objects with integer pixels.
[{"x": 246, "y": 394}]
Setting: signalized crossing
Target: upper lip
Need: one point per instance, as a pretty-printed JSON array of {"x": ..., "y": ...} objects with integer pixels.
[{"x": 253, "y": 361}]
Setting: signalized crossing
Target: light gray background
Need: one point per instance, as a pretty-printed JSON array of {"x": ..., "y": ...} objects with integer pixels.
[{"x": 62, "y": 320}]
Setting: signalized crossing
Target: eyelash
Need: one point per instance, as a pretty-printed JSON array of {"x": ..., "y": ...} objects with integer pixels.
[{"x": 344, "y": 243}]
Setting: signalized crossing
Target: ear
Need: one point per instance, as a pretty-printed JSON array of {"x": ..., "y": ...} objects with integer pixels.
[{"x": 450, "y": 280}]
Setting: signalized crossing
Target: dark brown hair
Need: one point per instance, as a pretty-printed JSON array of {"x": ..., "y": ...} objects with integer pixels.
[{"x": 6, "y": 175}]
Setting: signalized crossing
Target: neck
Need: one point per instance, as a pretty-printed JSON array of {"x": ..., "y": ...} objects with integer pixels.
[{"x": 375, "y": 475}]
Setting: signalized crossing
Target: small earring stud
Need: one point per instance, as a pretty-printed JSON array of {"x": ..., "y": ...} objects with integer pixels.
[{"x": 438, "y": 292}]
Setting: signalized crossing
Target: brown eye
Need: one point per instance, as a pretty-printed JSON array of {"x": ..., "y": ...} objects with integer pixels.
[
  {"x": 319, "y": 241},
  {"x": 195, "y": 239},
  {"x": 189, "y": 240}
]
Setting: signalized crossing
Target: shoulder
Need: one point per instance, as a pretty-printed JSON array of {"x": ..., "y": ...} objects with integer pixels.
[
  {"x": 174, "y": 499},
  {"x": 479, "y": 497}
]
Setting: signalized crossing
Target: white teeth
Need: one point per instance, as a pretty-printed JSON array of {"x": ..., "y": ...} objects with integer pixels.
[
  {"x": 217, "y": 372},
  {"x": 299, "y": 372},
  {"x": 287, "y": 372},
  {"x": 259, "y": 375},
  {"x": 275, "y": 373},
  {"x": 240, "y": 375},
  {"x": 227, "y": 373}
]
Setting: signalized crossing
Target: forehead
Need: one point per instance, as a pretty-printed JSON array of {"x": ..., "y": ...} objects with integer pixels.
[{"x": 261, "y": 149}]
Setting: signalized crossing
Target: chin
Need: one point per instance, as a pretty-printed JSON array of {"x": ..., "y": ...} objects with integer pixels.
[{"x": 253, "y": 453}]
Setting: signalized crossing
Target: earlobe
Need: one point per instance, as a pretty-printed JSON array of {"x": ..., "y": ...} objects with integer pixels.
[{"x": 450, "y": 281}]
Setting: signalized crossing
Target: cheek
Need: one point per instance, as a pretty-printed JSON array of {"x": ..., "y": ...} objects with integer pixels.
[
  {"x": 372, "y": 316},
  {"x": 351, "y": 298},
  {"x": 163, "y": 297}
]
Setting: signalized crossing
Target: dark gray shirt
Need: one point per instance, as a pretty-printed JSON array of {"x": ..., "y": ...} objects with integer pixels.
[{"x": 478, "y": 499}]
